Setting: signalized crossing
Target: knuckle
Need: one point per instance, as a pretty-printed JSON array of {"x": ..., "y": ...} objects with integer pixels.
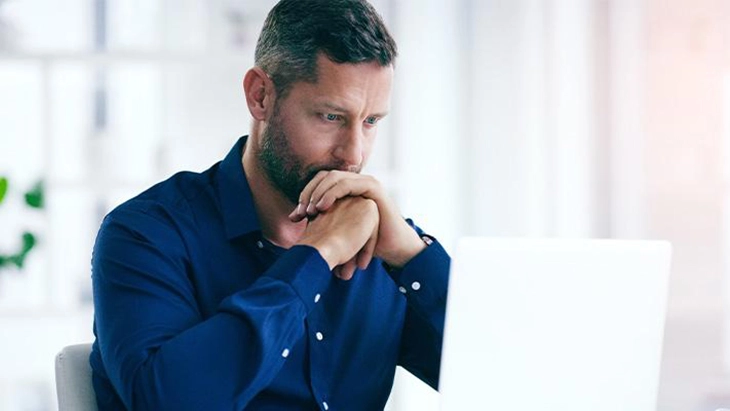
[
  {"x": 370, "y": 205},
  {"x": 335, "y": 177},
  {"x": 374, "y": 182}
]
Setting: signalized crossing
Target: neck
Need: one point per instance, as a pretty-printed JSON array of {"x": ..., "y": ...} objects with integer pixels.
[{"x": 272, "y": 207}]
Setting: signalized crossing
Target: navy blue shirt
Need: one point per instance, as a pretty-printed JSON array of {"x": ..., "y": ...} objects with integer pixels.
[{"x": 195, "y": 310}]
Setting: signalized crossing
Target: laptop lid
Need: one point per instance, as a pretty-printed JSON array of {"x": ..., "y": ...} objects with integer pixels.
[{"x": 554, "y": 325}]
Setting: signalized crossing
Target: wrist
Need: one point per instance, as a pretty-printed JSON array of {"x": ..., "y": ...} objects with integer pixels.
[
  {"x": 407, "y": 253},
  {"x": 324, "y": 250}
]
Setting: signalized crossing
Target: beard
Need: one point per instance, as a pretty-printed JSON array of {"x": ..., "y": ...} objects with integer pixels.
[{"x": 283, "y": 168}]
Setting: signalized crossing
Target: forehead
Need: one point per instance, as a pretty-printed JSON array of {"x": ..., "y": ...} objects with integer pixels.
[{"x": 352, "y": 85}]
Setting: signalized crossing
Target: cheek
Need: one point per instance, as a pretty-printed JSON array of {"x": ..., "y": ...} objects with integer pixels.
[
  {"x": 316, "y": 139},
  {"x": 307, "y": 143},
  {"x": 297, "y": 134},
  {"x": 367, "y": 145}
]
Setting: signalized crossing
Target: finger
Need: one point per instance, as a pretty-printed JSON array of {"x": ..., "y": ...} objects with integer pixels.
[
  {"x": 337, "y": 190},
  {"x": 300, "y": 210},
  {"x": 365, "y": 256},
  {"x": 348, "y": 270},
  {"x": 305, "y": 197},
  {"x": 297, "y": 215},
  {"x": 335, "y": 186},
  {"x": 306, "y": 194},
  {"x": 343, "y": 185}
]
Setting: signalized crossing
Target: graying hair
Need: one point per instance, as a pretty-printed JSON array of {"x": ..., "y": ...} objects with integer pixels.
[{"x": 297, "y": 31}]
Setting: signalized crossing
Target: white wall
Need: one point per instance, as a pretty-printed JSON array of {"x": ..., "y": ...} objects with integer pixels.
[{"x": 532, "y": 115}]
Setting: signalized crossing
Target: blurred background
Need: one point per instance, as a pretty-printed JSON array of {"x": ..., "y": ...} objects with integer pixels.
[{"x": 557, "y": 118}]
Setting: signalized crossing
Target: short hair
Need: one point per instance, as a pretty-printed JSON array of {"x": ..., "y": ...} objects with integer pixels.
[{"x": 295, "y": 32}]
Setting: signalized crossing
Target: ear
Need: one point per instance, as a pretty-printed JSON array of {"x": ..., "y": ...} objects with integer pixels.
[{"x": 260, "y": 94}]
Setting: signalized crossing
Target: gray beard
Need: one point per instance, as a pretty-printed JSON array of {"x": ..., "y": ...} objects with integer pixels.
[{"x": 282, "y": 167}]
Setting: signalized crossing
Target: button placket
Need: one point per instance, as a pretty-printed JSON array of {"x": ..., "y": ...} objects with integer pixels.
[{"x": 319, "y": 356}]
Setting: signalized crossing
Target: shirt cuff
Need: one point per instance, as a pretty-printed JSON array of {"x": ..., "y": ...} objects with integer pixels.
[
  {"x": 426, "y": 275},
  {"x": 304, "y": 269}
]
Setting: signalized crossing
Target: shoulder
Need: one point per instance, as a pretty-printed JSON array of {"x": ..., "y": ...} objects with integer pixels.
[{"x": 167, "y": 205}]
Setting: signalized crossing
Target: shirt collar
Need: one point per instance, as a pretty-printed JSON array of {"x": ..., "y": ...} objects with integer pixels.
[{"x": 237, "y": 206}]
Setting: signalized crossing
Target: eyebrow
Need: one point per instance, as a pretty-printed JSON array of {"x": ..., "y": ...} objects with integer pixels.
[{"x": 336, "y": 108}]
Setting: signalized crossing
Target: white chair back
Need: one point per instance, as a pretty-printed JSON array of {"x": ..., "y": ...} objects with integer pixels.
[{"x": 73, "y": 379}]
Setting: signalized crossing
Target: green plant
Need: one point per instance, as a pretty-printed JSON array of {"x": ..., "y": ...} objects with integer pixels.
[
  {"x": 34, "y": 198},
  {"x": 3, "y": 188}
]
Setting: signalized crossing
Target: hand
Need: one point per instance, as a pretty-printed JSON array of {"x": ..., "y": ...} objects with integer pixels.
[
  {"x": 397, "y": 241},
  {"x": 345, "y": 235}
]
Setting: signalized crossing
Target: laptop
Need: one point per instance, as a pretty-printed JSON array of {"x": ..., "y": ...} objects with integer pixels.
[{"x": 554, "y": 325}]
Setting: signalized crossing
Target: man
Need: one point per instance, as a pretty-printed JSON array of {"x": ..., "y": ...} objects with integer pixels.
[{"x": 280, "y": 278}]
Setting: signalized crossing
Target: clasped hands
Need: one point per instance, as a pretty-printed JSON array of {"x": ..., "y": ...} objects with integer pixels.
[{"x": 351, "y": 220}]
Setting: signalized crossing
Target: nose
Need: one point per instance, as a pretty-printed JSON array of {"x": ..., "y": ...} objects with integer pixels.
[{"x": 349, "y": 147}]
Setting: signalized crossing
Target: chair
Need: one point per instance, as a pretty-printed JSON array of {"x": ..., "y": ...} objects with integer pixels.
[{"x": 73, "y": 379}]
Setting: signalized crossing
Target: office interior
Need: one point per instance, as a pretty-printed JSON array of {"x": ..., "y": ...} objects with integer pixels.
[{"x": 510, "y": 118}]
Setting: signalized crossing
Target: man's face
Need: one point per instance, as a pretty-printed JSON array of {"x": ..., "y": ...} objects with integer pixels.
[{"x": 328, "y": 125}]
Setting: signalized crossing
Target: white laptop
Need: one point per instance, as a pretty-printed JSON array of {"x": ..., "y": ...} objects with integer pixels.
[{"x": 554, "y": 325}]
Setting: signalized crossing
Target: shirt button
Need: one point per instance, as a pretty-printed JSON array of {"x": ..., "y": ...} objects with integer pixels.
[
  {"x": 319, "y": 336},
  {"x": 259, "y": 244},
  {"x": 325, "y": 405},
  {"x": 402, "y": 289},
  {"x": 316, "y": 298},
  {"x": 285, "y": 353},
  {"x": 416, "y": 286}
]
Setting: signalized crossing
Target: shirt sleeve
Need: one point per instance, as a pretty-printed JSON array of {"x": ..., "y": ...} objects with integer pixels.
[
  {"x": 424, "y": 282},
  {"x": 159, "y": 352}
]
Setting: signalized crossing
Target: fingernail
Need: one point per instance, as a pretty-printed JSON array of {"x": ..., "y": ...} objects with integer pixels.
[
  {"x": 310, "y": 208},
  {"x": 320, "y": 203}
]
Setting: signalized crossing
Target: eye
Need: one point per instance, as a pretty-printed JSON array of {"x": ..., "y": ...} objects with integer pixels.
[
  {"x": 371, "y": 121},
  {"x": 331, "y": 117}
]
